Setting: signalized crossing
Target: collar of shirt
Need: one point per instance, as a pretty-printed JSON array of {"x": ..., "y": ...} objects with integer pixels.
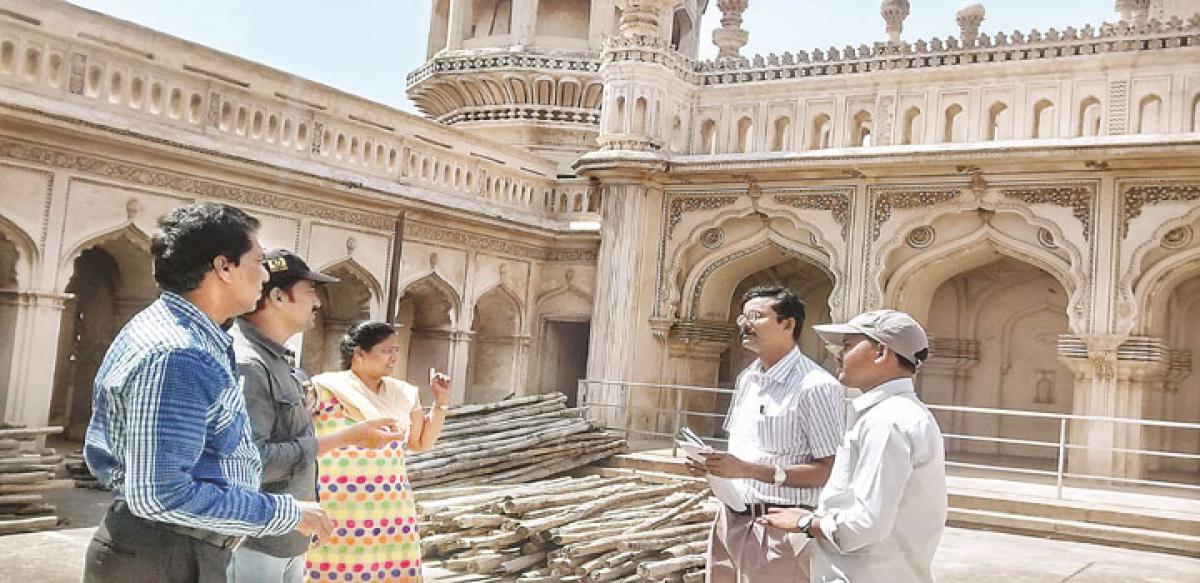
[
  {"x": 253, "y": 334},
  {"x": 780, "y": 371},
  {"x": 876, "y": 395},
  {"x": 205, "y": 325}
]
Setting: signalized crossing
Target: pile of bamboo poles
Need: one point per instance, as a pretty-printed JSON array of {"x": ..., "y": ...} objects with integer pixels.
[
  {"x": 511, "y": 441},
  {"x": 27, "y": 470},
  {"x": 571, "y": 529}
]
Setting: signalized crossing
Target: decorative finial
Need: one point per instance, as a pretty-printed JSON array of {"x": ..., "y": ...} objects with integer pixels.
[
  {"x": 132, "y": 208},
  {"x": 730, "y": 38},
  {"x": 433, "y": 260},
  {"x": 894, "y": 12},
  {"x": 970, "y": 16},
  {"x": 351, "y": 244},
  {"x": 639, "y": 18}
]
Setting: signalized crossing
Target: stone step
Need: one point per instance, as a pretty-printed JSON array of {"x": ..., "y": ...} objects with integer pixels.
[
  {"x": 1138, "y": 538},
  {"x": 1076, "y": 511}
]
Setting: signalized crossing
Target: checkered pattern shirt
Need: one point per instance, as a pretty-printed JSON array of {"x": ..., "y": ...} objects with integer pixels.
[
  {"x": 792, "y": 414},
  {"x": 169, "y": 431}
]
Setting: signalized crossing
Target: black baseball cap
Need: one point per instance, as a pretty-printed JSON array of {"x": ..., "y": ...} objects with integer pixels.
[{"x": 283, "y": 265}]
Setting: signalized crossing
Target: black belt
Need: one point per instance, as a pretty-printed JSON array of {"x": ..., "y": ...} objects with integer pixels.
[
  {"x": 761, "y": 508},
  {"x": 221, "y": 541}
]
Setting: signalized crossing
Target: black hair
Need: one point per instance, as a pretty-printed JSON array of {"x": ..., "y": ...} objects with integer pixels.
[
  {"x": 787, "y": 304},
  {"x": 190, "y": 237},
  {"x": 364, "y": 335}
]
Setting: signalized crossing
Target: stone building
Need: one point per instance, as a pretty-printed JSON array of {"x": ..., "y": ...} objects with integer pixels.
[{"x": 1032, "y": 196}]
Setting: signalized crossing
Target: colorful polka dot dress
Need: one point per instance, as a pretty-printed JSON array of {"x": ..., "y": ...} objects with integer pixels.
[{"x": 366, "y": 493}]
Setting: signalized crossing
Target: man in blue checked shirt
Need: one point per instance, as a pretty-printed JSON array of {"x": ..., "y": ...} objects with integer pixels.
[{"x": 169, "y": 430}]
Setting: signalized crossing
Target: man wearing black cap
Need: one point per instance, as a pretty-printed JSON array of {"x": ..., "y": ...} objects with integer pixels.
[{"x": 276, "y": 395}]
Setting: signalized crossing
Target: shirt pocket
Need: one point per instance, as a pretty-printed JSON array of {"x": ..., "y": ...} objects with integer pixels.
[
  {"x": 291, "y": 414},
  {"x": 780, "y": 433}
]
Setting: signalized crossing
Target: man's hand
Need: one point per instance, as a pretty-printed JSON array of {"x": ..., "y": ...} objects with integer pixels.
[
  {"x": 696, "y": 468},
  {"x": 784, "y": 518},
  {"x": 727, "y": 466},
  {"x": 374, "y": 434},
  {"x": 314, "y": 522}
]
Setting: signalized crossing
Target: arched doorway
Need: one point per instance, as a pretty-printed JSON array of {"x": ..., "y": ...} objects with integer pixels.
[
  {"x": 427, "y": 313},
  {"x": 994, "y": 331},
  {"x": 1178, "y": 398},
  {"x": 813, "y": 286},
  {"x": 110, "y": 282},
  {"x": 11, "y": 257},
  {"x": 343, "y": 304},
  {"x": 492, "y": 363}
]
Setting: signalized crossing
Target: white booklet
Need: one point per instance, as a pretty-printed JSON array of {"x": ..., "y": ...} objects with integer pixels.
[{"x": 695, "y": 449}]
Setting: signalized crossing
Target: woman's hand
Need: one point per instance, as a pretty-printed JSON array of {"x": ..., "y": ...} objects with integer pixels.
[
  {"x": 375, "y": 433},
  {"x": 439, "y": 383}
]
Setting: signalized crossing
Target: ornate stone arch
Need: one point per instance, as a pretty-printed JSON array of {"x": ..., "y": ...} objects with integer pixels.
[
  {"x": 445, "y": 287},
  {"x": 507, "y": 292},
  {"x": 913, "y": 282},
  {"x": 741, "y": 260},
  {"x": 28, "y": 257},
  {"x": 1157, "y": 279},
  {"x": 365, "y": 278},
  {"x": 129, "y": 231},
  {"x": 1156, "y": 284}
]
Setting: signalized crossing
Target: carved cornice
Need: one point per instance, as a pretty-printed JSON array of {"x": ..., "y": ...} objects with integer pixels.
[
  {"x": 1079, "y": 198},
  {"x": 682, "y": 205},
  {"x": 1138, "y": 196},
  {"x": 835, "y": 201},
  {"x": 154, "y": 178},
  {"x": 886, "y": 199},
  {"x": 441, "y": 235}
]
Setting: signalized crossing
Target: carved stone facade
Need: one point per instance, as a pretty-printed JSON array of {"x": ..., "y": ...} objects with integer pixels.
[{"x": 589, "y": 199}]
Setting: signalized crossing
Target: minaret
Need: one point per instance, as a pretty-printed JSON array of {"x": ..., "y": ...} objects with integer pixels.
[
  {"x": 730, "y": 38},
  {"x": 894, "y": 12},
  {"x": 969, "y": 19}
]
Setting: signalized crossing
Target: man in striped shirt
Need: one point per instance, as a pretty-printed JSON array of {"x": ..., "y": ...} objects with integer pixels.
[
  {"x": 785, "y": 423},
  {"x": 169, "y": 431}
]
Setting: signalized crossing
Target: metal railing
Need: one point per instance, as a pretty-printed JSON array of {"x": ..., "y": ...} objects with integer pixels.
[{"x": 617, "y": 404}]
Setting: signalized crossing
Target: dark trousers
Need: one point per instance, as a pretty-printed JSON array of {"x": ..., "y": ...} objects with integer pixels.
[{"x": 128, "y": 549}]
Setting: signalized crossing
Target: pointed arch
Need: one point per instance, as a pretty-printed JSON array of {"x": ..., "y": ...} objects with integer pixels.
[
  {"x": 440, "y": 284},
  {"x": 509, "y": 294},
  {"x": 129, "y": 231},
  {"x": 28, "y": 256},
  {"x": 913, "y": 282},
  {"x": 364, "y": 277},
  {"x": 710, "y": 282}
]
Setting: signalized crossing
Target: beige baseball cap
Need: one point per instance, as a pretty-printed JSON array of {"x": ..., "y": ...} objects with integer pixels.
[{"x": 897, "y": 330}]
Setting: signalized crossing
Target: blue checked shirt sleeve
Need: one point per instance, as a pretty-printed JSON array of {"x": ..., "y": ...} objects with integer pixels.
[{"x": 167, "y": 417}]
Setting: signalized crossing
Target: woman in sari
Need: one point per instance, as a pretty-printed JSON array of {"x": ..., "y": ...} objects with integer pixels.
[{"x": 366, "y": 490}]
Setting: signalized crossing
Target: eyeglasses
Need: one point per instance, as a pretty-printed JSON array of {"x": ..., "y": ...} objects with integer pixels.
[{"x": 752, "y": 317}]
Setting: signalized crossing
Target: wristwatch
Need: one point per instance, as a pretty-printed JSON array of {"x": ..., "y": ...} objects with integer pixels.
[
  {"x": 780, "y": 475},
  {"x": 804, "y": 525}
]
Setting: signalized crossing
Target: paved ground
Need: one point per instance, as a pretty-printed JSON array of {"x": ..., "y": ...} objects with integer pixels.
[{"x": 966, "y": 556}]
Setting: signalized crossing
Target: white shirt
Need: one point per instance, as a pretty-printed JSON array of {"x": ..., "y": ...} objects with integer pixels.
[
  {"x": 791, "y": 414},
  {"x": 883, "y": 509}
]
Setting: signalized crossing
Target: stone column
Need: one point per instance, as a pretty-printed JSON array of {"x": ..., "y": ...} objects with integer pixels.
[
  {"x": 969, "y": 18},
  {"x": 640, "y": 17},
  {"x": 621, "y": 347},
  {"x": 524, "y": 21},
  {"x": 694, "y": 362},
  {"x": 1112, "y": 376},
  {"x": 30, "y": 382},
  {"x": 520, "y": 365},
  {"x": 894, "y": 12},
  {"x": 460, "y": 351},
  {"x": 456, "y": 31},
  {"x": 730, "y": 38}
]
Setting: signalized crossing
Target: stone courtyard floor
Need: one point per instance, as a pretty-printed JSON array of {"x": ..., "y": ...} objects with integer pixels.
[{"x": 972, "y": 556}]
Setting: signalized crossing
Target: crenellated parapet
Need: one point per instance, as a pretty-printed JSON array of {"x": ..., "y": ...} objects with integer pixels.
[{"x": 1002, "y": 47}]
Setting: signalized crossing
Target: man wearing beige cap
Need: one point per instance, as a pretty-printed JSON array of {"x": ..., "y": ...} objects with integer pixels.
[{"x": 883, "y": 510}]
